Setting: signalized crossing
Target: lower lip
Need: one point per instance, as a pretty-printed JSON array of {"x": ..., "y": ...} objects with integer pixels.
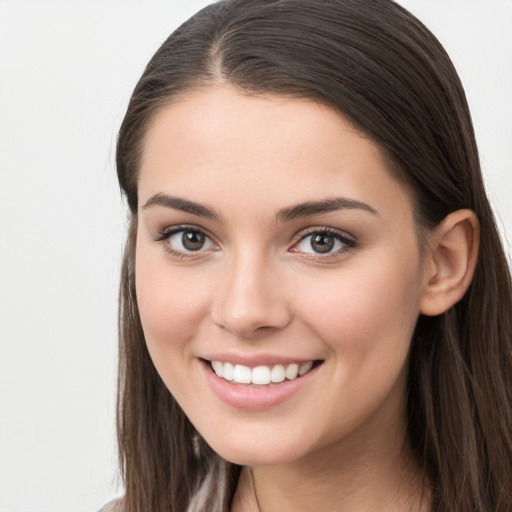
[{"x": 254, "y": 398}]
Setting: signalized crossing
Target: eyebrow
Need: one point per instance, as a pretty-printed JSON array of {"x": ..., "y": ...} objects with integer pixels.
[
  {"x": 324, "y": 206},
  {"x": 177, "y": 203},
  {"x": 284, "y": 215}
]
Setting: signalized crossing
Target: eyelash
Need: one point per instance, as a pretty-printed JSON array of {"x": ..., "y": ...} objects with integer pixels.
[
  {"x": 168, "y": 232},
  {"x": 347, "y": 241}
]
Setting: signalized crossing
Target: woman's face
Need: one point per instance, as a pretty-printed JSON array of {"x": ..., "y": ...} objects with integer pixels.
[{"x": 272, "y": 240}]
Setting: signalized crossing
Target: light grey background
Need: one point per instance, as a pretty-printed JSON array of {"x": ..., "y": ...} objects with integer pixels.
[{"x": 67, "y": 69}]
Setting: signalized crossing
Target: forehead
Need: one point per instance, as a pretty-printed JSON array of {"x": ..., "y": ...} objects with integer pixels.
[{"x": 222, "y": 142}]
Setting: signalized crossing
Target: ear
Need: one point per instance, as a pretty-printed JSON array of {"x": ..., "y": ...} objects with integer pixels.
[{"x": 451, "y": 262}]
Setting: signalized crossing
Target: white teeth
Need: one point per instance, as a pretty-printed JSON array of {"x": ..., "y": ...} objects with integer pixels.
[
  {"x": 292, "y": 371},
  {"x": 218, "y": 368},
  {"x": 305, "y": 367},
  {"x": 242, "y": 374},
  {"x": 228, "y": 371},
  {"x": 277, "y": 374},
  {"x": 260, "y": 375}
]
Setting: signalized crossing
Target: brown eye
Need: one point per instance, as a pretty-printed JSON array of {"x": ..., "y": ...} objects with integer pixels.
[
  {"x": 187, "y": 241},
  {"x": 322, "y": 243},
  {"x": 193, "y": 240}
]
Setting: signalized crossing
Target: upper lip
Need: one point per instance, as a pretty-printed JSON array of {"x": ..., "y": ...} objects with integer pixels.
[{"x": 253, "y": 360}]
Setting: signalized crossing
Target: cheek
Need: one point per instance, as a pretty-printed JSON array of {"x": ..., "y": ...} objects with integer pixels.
[
  {"x": 367, "y": 319},
  {"x": 367, "y": 311},
  {"x": 171, "y": 305}
]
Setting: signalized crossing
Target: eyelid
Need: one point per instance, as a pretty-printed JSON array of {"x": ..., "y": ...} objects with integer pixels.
[
  {"x": 324, "y": 229},
  {"x": 348, "y": 240},
  {"x": 166, "y": 233}
]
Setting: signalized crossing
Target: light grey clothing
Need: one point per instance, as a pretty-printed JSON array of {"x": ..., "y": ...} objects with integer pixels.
[{"x": 112, "y": 506}]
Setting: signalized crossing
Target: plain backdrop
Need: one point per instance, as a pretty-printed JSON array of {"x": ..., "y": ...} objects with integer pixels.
[{"x": 67, "y": 69}]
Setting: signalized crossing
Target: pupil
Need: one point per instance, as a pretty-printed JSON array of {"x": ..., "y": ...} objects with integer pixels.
[
  {"x": 322, "y": 243},
  {"x": 192, "y": 240}
]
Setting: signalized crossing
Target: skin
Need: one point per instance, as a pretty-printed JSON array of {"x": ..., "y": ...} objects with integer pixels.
[{"x": 257, "y": 287}]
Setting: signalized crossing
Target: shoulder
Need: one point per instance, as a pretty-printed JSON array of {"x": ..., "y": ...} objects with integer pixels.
[{"x": 112, "y": 506}]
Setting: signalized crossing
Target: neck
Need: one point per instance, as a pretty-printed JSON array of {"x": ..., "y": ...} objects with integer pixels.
[{"x": 355, "y": 476}]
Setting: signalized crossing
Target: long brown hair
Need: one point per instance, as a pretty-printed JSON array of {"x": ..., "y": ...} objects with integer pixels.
[{"x": 378, "y": 65}]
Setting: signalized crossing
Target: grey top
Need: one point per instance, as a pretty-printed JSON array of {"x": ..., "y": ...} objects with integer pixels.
[{"x": 112, "y": 506}]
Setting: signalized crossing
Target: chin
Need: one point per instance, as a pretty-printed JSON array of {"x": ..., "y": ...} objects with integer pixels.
[
  {"x": 255, "y": 456},
  {"x": 259, "y": 450}
]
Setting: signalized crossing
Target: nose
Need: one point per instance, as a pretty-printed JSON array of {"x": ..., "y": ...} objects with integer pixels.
[{"x": 250, "y": 300}]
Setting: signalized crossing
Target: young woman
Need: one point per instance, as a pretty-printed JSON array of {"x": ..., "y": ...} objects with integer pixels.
[{"x": 315, "y": 304}]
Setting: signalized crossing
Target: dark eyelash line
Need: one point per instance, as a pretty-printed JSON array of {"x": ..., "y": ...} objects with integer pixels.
[
  {"x": 167, "y": 232},
  {"x": 164, "y": 234},
  {"x": 346, "y": 239}
]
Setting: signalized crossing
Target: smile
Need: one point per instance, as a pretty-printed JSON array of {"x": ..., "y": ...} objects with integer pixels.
[
  {"x": 256, "y": 386},
  {"x": 260, "y": 375}
]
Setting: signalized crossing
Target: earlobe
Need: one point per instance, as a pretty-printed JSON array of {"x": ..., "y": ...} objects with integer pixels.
[{"x": 451, "y": 262}]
